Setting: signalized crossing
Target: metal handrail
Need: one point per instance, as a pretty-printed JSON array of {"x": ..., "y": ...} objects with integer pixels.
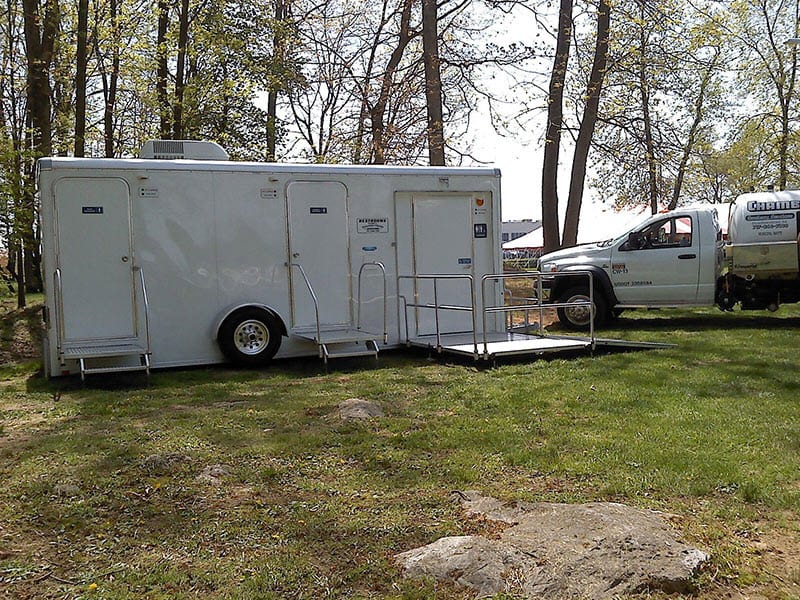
[
  {"x": 146, "y": 305},
  {"x": 436, "y": 307},
  {"x": 382, "y": 268},
  {"x": 59, "y": 301},
  {"x": 313, "y": 297},
  {"x": 538, "y": 305}
]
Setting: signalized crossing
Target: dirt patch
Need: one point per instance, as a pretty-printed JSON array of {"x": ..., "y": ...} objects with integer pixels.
[{"x": 21, "y": 333}]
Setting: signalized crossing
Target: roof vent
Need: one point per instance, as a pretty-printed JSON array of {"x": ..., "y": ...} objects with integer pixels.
[{"x": 191, "y": 149}]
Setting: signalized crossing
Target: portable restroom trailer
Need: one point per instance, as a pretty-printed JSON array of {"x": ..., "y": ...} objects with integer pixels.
[{"x": 163, "y": 263}]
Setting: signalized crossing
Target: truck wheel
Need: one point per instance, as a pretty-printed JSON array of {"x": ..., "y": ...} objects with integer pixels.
[
  {"x": 249, "y": 337},
  {"x": 577, "y": 317}
]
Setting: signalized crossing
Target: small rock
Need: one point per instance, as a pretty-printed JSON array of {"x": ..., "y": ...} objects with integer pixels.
[
  {"x": 214, "y": 474},
  {"x": 159, "y": 464},
  {"x": 356, "y": 409},
  {"x": 66, "y": 490}
]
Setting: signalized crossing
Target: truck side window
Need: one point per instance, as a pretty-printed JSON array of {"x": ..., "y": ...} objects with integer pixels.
[{"x": 673, "y": 232}]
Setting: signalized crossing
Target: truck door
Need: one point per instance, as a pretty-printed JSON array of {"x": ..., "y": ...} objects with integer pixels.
[
  {"x": 94, "y": 256},
  {"x": 319, "y": 243},
  {"x": 659, "y": 264}
]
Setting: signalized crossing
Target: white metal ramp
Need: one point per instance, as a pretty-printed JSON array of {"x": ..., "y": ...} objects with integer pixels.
[
  {"x": 484, "y": 344},
  {"x": 496, "y": 345}
]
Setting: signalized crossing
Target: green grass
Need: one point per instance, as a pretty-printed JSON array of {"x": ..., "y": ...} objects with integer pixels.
[{"x": 101, "y": 494}]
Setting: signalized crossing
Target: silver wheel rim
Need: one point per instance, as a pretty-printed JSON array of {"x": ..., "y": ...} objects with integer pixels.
[
  {"x": 579, "y": 315},
  {"x": 251, "y": 337}
]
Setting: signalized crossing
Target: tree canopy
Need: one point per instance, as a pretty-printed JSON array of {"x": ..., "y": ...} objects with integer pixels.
[{"x": 652, "y": 102}]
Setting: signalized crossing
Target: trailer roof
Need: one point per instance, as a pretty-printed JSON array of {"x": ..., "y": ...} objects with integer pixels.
[{"x": 208, "y": 165}]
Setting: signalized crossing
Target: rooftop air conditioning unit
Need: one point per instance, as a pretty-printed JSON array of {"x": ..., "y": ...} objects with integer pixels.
[{"x": 190, "y": 149}]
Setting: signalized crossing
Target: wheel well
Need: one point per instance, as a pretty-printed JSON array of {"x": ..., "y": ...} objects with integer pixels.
[
  {"x": 602, "y": 284},
  {"x": 266, "y": 309}
]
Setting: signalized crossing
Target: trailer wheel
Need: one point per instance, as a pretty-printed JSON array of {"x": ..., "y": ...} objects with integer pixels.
[
  {"x": 249, "y": 337},
  {"x": 577, "y": 317}
]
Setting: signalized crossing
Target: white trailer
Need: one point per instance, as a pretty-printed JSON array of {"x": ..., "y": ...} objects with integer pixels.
[{"x": 163, "y": 263}]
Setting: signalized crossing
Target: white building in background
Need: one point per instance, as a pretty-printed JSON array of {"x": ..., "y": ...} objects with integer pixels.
[{"x": 516, "y": 229}]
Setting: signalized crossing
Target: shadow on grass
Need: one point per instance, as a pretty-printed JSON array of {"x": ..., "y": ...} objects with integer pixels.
[{"x": 723, "y": 321}]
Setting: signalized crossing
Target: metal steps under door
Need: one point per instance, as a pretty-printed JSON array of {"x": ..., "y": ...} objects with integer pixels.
[
  {"x": 107, "y": 357},
  {"x": 341, "y": 343}
]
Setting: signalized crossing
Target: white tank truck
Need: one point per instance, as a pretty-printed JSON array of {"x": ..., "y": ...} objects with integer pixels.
[{"x": 679, "y": 258}]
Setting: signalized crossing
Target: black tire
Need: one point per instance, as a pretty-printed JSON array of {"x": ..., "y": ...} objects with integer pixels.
[
  {"x": 577, "y": 318},
  {"x": 249, "y": 337}
]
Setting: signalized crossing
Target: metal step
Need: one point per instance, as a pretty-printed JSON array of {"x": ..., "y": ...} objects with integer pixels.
[
  {"x": 121, "y": 367},
  {"x": 100, "y": 349},
  {"x": 129, "y": 354},
  {"x": 370, "y": 349},
  {"x": 335, "y": 336},
  {"x": 341, "y": 342}
]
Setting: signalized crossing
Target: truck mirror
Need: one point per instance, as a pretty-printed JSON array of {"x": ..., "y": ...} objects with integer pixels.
[{"x": 635, "y": 240}]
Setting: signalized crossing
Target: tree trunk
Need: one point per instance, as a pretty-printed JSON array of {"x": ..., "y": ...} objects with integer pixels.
[
  {"x": 110, "y": 81},
  {"x": 692, "y": 136},
  {"x": 588, "y": 122},
  {"x": 40, "y": 35},
  {"x": 647, "y": 124},
  {"x": 377, "y": 113},
  {"x": 111, "y": 102},
  {"x": 162, "y": 70},
  {"x": 278, "y": 60},
  {"x": 80, "y": 78},
  {"x": 433, "y": 82},
  {"x": 178, "y": 132},
  {"x": 555, "y": 116}
]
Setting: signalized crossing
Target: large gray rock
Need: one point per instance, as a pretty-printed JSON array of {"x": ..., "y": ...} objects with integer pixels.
[
  {"x": 355, "y": 409},
  {"x": 545, "y": 550}
]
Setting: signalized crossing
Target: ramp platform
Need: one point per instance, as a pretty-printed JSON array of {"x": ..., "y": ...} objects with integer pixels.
[{"x": 498, "y": 345}]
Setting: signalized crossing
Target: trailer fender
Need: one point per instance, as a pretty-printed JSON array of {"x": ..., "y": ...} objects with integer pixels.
[
  {"x": 250, "y": 335},
  {"x": 602, "y": 283},
  {"x": 230, "y": 310}
]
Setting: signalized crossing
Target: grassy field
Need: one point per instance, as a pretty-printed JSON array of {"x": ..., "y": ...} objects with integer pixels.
[{"x": 222, "y": 483}]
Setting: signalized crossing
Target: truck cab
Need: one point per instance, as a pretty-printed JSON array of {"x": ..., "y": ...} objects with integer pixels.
[{"x": 671, "y": 259}]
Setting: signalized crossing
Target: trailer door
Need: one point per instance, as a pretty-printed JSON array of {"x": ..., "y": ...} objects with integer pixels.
[
  {"x": 319, "y": 243},
  {"x": 94, "y": 258},
  {"x": 442, "y": 245}
]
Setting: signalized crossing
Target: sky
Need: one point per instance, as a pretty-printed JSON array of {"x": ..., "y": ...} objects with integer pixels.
[
  {"x": 520, "y": 160},
  {"x": 521, "y": 167}
]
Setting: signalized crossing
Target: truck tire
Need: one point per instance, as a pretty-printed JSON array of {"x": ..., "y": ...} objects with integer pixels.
[
  {"x": 249, "y": 337},
  {"x": 577, "y": 318}
]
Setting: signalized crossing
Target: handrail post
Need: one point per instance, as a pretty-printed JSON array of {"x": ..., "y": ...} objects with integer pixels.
[
  {"x": 484, "y": 279},
  {"x": 591, "y": 309},
  {"x": 314, "y": 299},
  {"x": 146, "y": 305},
  {"x": 436, "y": 314},
  {"x": 59, "y": 300},
  {"x": 382, "y": 268},
  {"x": 540, "y": 297},
  {"x": 472, "y": 311}
]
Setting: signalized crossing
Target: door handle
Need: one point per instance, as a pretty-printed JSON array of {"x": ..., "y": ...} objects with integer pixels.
[{"x": 686, "y": 256}]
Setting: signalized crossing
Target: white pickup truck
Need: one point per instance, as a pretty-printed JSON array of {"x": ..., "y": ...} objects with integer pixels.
[{"x": 679, "y": 258}]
